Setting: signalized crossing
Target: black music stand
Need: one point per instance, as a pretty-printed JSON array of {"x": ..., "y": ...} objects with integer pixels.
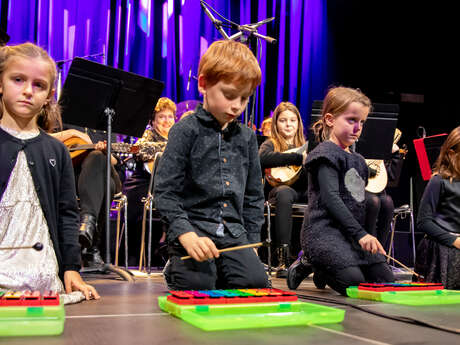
[
  {"x": 105, "y": 98},
  {"x": 376, "y": 140}
]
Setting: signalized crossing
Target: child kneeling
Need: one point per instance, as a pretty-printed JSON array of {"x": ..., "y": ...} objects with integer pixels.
[{"x": 208, "y": 186}]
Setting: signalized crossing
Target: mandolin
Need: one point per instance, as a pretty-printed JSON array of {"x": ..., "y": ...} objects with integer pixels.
[
  {"x": 378, "y": 183},
  {"x": 285, "y": 175},
  {"x": 79, "y": 148}
]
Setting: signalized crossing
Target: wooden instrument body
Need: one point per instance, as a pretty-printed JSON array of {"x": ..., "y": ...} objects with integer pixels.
[
  {"x": 377, "y": 183},
  {"x": 286, "y": 175}
]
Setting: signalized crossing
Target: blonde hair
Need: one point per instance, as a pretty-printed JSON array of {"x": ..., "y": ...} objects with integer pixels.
[
  {"x": 231, "y": 62},
  {"x": 266, "y": 123},
  {"x": 164, "y": 103},
  {"x": 336, "y": 103},
  {"x": 448, "y": 163},
  {"x": 49, "y": 117},
  {"x": 279, "y": 142}
]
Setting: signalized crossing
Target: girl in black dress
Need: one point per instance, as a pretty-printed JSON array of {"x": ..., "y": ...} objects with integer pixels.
[
  {"x": 333, "y": 237},
  {"x": 438, "y": 254}
]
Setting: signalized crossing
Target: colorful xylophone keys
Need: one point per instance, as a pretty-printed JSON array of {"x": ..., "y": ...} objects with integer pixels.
[
  {"x": 28, "y": 298},
  {"x": 230, "y": 296}
]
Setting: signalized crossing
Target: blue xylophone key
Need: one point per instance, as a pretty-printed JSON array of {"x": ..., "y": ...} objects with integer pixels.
[{"x": 211, "y": 293}]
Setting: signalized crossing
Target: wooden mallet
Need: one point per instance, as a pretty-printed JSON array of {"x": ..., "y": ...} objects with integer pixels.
[{"x": 251, "y": 245}]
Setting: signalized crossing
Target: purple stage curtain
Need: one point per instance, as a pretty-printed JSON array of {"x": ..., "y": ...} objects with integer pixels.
[{"x": 164, "y": 39}]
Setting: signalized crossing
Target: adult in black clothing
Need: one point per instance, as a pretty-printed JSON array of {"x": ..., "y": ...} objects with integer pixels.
[
  {"x": 90, "y": 176},
  {"x": 136, "y": 186},
  {"x": 380, "y": 206},
  {"x": 286, "y": 134}
]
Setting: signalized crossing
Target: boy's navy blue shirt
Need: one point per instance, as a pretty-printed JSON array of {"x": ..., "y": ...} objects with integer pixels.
[{"x": 210, "y": 179}]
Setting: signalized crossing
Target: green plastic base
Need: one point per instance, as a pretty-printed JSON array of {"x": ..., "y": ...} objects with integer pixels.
[
  {"x": 427, "y": 297},
  {"x": 252, "y": 315},
  {"x": 28, "y": 321}
]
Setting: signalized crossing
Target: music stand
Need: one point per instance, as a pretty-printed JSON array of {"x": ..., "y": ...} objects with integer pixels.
[
  {"x": 105, "y": 98},
  {"x": 376, "y": 140}
]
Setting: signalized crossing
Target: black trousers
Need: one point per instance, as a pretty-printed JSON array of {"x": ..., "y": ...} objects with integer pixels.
[
  {"x": 339, "y": 280},
  {"x": 283, "y": 197},
  {"x": 91, "y": 182},
  {"x": 234, "y": 269},
  {"x": 379, "y": 213}
]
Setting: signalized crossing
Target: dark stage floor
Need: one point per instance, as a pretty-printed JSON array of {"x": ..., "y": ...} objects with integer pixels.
[{"x": 128, "y": 313}]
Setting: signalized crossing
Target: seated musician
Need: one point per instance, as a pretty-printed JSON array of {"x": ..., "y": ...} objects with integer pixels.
[
  {"x": 136, "y": 186},
  {"x": 90, "y": 174},
  {"x": 379, "y": 205},
  {"x": 286, "y": 133}
]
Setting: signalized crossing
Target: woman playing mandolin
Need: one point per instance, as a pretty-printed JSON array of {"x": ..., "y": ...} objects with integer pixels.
[{"x": 287, "y": 183}]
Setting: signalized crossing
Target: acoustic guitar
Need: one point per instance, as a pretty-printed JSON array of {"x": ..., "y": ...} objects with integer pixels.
[
  {"x": 79, "y": 148},
  {"x": 285, "y": 175},
  {"x": 378, "y": 183}
]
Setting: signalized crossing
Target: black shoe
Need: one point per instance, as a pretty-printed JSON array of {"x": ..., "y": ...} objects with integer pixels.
[
  {"x": 92, "y": 257},
  {"x": 319, "y": 280},
  {"x": 87, "y": 230},
  {"x": 297, "y": 272}
]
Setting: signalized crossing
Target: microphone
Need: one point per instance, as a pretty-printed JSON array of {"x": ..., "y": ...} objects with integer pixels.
[
  {"x": 189, "y": 77},
  {"x": 217, "y": 23},
  {"x": 37, "y": 246},
  {"x": 266, "y": 38},
  {"x": 262, "y": 22}
]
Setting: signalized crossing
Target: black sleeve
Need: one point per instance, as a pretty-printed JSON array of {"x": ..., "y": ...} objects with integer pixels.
[
  {"x": 68, "y": 217},
  {"x": 271, "y": 159},
  {"x": 253, "y": 206},
  {"x": 394, "y": 168},
  {"x": 328, "y": 180},
  {"x": 169, "y": 181},
  {"x": 427, "y": 212}
]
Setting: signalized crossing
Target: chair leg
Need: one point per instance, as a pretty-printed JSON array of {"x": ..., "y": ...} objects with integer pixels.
[
  {"x": 413, "y": 235},
  {"x": 118, "y": 236},
  {"x": 142, "y": 252},
  {"x": 149, "y": 246},
  {"x": 269, "y": 239},
  {"x": 126, "y": 231},
  {"x": 391, "y": 249}
]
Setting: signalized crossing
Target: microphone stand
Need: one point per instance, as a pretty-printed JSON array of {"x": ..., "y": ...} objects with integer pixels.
[
  {"x": 60, "y": 65},
  {"x": 245, "y": 32}
]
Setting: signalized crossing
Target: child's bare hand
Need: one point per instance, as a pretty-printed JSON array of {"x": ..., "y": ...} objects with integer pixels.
[
  {"x": 457, "y": 243},
  {"x": 199, "y": 248},
  {"x": 371, "y": 244},
  {"x": 74, "y": 282}
]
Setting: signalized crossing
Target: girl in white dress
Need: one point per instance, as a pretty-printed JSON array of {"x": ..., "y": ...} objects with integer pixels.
[{"x": 37, "y": 188}]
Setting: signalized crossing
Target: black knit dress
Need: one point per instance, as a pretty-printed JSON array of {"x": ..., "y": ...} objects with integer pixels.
[{"x": 331, "y": 242}]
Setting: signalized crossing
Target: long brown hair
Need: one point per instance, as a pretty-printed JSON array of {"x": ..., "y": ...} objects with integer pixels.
[
  {"x": 50, "y": 116},
  {"x": 336, "y": 103},
  {"x": 448, "y": 163},
  {"x": 279, "y": 142}
]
